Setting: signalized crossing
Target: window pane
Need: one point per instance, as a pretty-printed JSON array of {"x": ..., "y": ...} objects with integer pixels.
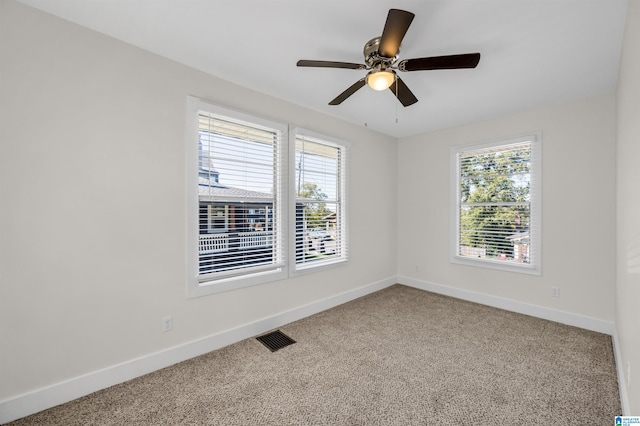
[
  {"x": 494, "y": 232},
  {"x": 320, "y": 228},
  {"x": 239, "y": 206},
  {"x": 494, "y": 202}
]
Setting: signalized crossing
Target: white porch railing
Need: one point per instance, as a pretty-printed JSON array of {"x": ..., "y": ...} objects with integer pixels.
[
  {"x": 214, "y": 243},
  {"x": 255, "y": 239},
  {"x": 219, "y": 243}
]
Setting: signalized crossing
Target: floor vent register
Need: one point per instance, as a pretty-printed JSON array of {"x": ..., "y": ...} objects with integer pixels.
[{"x": 275, "y": 340}]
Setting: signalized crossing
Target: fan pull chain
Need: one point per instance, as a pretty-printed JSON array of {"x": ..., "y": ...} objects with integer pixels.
[{"x": 396, "y": 99}]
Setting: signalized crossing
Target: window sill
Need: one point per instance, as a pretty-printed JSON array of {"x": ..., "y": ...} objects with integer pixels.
[
  {"x": 317, "y": 266},
  {"x": 500, "y": 265},
  {"x": 220, "y": 285}
]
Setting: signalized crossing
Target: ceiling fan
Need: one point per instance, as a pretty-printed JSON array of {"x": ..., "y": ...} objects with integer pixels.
[{"x": 380, "y": 56}]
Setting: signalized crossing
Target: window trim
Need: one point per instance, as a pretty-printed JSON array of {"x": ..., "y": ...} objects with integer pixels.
[
  {"x": 211, "y": 218},
  {"x": 255, "y": 276},
  {"x": 294, "y": 268},
  {"x": 535, "y": 233}
]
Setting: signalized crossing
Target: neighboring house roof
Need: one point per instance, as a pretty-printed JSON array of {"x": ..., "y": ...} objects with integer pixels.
[
  {"x": 206, "y": 188},
  {"x": 218, "y": 192},
  {"x": 206, "y": 165}
]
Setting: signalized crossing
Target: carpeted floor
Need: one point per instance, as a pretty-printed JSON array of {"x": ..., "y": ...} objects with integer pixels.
[{"x": 400, "y": 356}]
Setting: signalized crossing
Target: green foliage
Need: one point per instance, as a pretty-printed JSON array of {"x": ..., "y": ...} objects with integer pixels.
[{"x": 314, "y": 211}]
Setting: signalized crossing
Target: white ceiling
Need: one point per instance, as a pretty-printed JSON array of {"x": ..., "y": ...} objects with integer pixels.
[{"x": 534, "y": 52}]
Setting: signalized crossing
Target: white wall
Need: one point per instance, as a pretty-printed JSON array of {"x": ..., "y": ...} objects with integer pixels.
[
  {"x": 93, "y": 215},
  {"x": 628, "y": 202},
  {"x": 578, "y": 210}
]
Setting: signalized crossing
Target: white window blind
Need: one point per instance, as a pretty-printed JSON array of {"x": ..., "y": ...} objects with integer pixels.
[
  {"x": 497, "y": 204},
  {"x": 240, "y": 202},
  {"x": 320, "y": 210}
]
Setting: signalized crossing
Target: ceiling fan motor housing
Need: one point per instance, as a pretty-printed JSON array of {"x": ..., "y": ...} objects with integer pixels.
[{"x": 373, "y": 58}]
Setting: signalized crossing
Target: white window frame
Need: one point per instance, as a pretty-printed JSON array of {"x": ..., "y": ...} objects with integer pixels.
[
  {"x": 342, "y": 249},
  {"x": 535, "y": 232},
  {"x": 196, "y": 287}
]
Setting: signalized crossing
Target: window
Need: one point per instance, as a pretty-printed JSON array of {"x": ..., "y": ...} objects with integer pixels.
[
  {"x": 242, "y": 203},
  {"x": 496, "y": 200},
  {"x": 264, "y": 201},
  {"x": 320, "y": 217}
]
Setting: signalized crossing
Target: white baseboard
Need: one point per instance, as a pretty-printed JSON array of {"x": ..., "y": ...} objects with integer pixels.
[
  {"x": 622, "y": 382},
  {"x": 589, "y": 323},
  {"x": 59, "y": 393}
]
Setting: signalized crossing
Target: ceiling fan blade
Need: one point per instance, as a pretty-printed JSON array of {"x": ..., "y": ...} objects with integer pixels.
[
  {"x": 350, "y": 91},
  {"x": 330, "y": 64},
  {"x": 395, "y": 28},
  {"x": 402, "y": 92},
  {"x": 467, "y": 60}
]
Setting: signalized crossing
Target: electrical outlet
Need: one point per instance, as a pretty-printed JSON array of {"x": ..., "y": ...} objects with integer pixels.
[
  {"x": 555, "y": 292},
  {"x": 167, "y": 323}
]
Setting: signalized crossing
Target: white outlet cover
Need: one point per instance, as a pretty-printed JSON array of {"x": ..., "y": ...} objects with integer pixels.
[{"x": 167, "y": 323}]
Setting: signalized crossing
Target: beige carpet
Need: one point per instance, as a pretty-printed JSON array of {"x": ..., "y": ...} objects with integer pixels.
[{"x": 400, "y": 356}]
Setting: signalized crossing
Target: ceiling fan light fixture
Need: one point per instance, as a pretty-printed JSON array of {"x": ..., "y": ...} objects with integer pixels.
[{"x": 380, "y": 80}]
